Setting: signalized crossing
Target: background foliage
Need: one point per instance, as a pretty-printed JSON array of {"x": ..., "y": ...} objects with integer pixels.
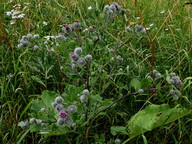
[{"x": 26, "y": 75}]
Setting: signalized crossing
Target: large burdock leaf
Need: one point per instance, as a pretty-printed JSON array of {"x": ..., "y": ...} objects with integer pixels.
[
  {"x": 48, "y": 97},
  {"x": 154, "y": 116}
]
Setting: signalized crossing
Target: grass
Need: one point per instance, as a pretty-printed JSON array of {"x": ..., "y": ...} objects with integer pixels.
[{"x": 24, "y": 74}]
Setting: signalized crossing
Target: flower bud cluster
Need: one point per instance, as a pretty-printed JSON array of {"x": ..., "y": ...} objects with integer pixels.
[
  {"x": 114, "y": 8},
  {"x": 157, "y": 74},
  {"x": 69, "y": 28},
  {"x": 175, "y": 80},
  {"x": 64, "y": 111},
  {"x": 117, "y": 58},
  {"x": 140, "y": 29},
  {"x": 117, "y": 141},
  {"x": 91, "y": 28},
  {"x": 31, "y": 121},
  {"x": 83, "y": 95},
  {"x": 26, "y": 41},
  {"x": 149, "y": 77},
  {"x": 77, "y": 60},
  {"x": 128, "y": 29},
  {"x": 140, "y": 91},
  {"x": 24, "y": 125},
  {"x": 175, "y": 94},
  {"x": 59, "y": 37}
]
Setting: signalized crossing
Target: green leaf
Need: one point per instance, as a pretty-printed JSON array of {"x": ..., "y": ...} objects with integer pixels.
[
  {"x": 96, "y": 97},
  {"x": 154, "y": 116},
  {"x": 144, "y": 139},
  {"x": 22, "y": 137},
  {"x": 188, "y": 78},
  {"x": 136, "y": 84},
  {"x": 26, "y": 108},
  {"x": 158, "y": 86},
  {"x": 35, "y": 128},
  {"x": 48, "y": 97},
  {"x": 145, "y": 83},
  {"x": 37, "y": 105},
  {"x": 57, "y": 130},
  {"x": 118, "y": 130},
  {"x": 105, "y": 103},
  {"x": 70, "y": 95},
  {"x": 37, "y": 79}
]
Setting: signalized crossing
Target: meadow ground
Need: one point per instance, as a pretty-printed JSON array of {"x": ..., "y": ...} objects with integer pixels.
[{"x": 123, "y": 71}]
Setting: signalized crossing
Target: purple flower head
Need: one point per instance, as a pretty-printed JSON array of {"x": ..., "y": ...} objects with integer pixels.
[
  {"x": 115, "y": 4},
  {"x": 76, "y": 25},
  {"x": 63, "y": 115},
  {"x": 59, "y": 107},
  {"x": 64, "y": 25},
  {"x": 61, "y": 34},
  {"x": 179, "y": 83},
  {"x": 67, "y": 28},
  {"x": 76, "y": 21},
  {"x": 74, "y": 56}
]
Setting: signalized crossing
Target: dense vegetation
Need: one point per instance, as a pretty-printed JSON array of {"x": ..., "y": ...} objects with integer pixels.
[{"x": 93, "y": 71}]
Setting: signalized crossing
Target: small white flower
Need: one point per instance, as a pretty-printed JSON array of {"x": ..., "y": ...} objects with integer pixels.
[
  {"x": 15, "y": 12},
  {"x": 12, "y": 22},
  {"x": 151, "y": 25},
  {"x": 45, "y": 23},
  {"x": 85, "y": 30},
  {"x": 8, "y": 13},
  {"x": 90, "y": 7},
  {"x": 17, "y": 5},
  {"x": 27, "y": 3},
  {"x": 21, "y": 16},
  {"x": 10, "y": 1}
]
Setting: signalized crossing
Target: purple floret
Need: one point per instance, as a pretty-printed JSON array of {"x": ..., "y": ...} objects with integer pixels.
[{"x": 63, "y": 115}]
